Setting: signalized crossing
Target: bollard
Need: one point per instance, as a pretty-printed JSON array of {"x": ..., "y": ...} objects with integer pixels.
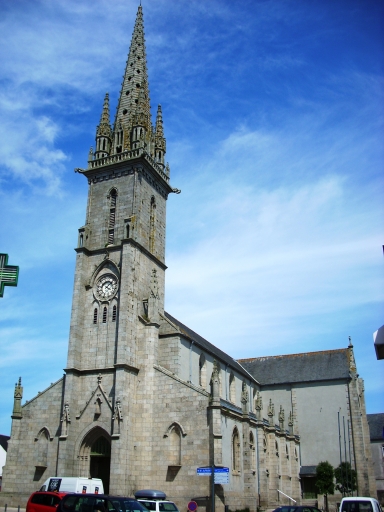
[
  {"x": 5, "y": 507},
  {"x": 18, "y": 508}
]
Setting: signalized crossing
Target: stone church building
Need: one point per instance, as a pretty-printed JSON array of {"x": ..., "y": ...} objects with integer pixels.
[{"x": 145, "y": 401}]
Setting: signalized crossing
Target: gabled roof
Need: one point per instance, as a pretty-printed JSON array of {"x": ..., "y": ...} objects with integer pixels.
[
  {"x": 306, "y": 367},
  {"x": 376, "y": 426},
  {"x": 4, "y": 441},
  {"x": 208, "y": 347}
]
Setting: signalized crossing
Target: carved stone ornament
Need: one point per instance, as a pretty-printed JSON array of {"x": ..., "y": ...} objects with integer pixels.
[
  {"x": 117, "y": 417},
  {"x": 65, "y": 420}
]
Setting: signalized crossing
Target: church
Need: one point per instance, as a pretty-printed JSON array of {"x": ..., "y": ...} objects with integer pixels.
[{"x": 145, "y": 400}]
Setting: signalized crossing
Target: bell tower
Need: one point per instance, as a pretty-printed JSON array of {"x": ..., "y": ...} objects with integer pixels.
[
  {"x": 123, "y": 239},
  {"x": 118, "y": 292}
]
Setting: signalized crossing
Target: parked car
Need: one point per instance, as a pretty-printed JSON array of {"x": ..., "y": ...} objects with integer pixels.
[
  {"x": 44, "y": 501},
  {"x": 99, "y": 503},
  {"x": 360, "y": 504},
  {"x": 299, "y": 508},
  {"x": 155, "y": 501}
]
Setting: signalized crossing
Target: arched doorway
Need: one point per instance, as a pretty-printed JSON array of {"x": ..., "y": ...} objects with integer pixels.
[
  {"x": 95, "y": 456},
  {"x": 101, "y": 461}
]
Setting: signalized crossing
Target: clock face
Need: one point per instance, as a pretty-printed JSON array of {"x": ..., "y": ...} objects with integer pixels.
[{"x": 106, "y": 287}]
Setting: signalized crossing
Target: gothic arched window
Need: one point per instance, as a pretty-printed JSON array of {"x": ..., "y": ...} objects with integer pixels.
[
  {"x": 95, "y": 312},
  {"x": 105, "y": 311},
  {"x": 202, "y": 371},
  {"x": 235, "y": 450},
  {"x": 41, "y": 449},
  {"x": 252, "y": 450},
  {"x": 232, "y": 388},
  {"x": 114, "y": 313},
  {"x": 174, "y": 454}
]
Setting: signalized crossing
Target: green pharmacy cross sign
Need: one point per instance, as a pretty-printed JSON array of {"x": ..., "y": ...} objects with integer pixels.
[{"x": 9, "y": 274}]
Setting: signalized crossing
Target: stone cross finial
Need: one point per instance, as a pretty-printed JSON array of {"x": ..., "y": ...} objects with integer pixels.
[
  {"x": 17, "y": 413},
  {"x": 258, "y": 405},
  {"x": 290, "y": 422},
  {"x": 244, "y": 397},
  {"x": 271, "y": 411}
]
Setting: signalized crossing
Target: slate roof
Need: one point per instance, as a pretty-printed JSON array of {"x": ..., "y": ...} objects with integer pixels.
[
  {"x": 376, "y": 426},
  {"x": 307, "y": 471},
  {"x": 306, "y": 367},
  {"x": 208, "y": 347},
  {"x": 4, "y": 442}
]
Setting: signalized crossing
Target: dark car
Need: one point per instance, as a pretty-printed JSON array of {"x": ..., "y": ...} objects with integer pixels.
[
  {"x": 99, "y": 503},
  {"x": 44, "y": 501},
  {"x": 292, "y": 508}
]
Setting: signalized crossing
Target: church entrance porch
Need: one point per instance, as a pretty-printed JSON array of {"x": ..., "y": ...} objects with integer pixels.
[{"x": 95, "y": 456}]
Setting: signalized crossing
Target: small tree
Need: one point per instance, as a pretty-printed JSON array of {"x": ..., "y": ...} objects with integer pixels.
[
  {"x": 346, "y": 478},
  {"x": 324, "y": 480}
]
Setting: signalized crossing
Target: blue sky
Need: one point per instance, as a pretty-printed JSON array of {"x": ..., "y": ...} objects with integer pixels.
[{"x": 273, "y": 113}]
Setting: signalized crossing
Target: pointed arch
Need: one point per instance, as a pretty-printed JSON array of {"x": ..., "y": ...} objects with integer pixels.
[
  {"x": 235, "y": 450},
  {"x": 175, "y": 424},
  {"x": 105, "y": 266},
  {"x": 41, "y": 448},
  {"x": 94, "y": 455},
  {"x": 252, "y": 450},
  {"x": 232, "y": 388},
  {"x": 175, "y": 433},
  {"x": 202, "y": 371}
]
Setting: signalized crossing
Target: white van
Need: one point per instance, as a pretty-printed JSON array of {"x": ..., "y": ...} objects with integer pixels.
[
  {"x": 73, "y": 484},
  {"x": 360, "y": 504}
]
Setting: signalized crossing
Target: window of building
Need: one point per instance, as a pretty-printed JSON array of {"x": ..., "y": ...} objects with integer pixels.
[
  {"x": 252, "y": 450},
  {"x": 112, "y": 216},
  {"x": 235, "y": 450},
  {"x": 95, "y": 313},
  {"x": 232, "y": 388},
  {"x": 202, "y": 371},
  {"x": 174, "y": 455},
  {"x": 114, "y": 313},
  {"x": 105, "y": 312}
]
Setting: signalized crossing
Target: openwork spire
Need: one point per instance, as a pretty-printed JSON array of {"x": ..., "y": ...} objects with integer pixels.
[
  {"x": 133, "y": 134},
  {"x": 135, "y": 82}
]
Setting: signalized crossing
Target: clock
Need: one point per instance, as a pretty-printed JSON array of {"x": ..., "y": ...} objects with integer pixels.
[{"x": 106, "y": 287}]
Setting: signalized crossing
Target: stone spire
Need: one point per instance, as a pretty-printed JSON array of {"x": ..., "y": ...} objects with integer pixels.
[
  {"x": 159, "y": 138},
  {"x": 134, "y": 104},
  {"x": 104, "y": 132}
]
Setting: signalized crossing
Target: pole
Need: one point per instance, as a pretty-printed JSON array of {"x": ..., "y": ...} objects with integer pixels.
[
  {"x": 338, "y": 422},
  {"x": 213, "y": 488},
  {"x": 349, "y": 450},
  {"x": 345, "y": 455}
]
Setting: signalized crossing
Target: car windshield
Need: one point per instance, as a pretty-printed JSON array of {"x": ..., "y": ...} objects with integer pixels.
[
  {"x": 124, "y": 505},
  {"x": 357, "y": 506},
  {"x": 164, "y": 507}
]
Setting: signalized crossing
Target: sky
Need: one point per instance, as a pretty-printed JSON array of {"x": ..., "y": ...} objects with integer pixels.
[{"x": 273, "y": 114}]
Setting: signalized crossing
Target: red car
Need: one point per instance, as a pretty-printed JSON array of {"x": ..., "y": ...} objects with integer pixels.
[{"x": 44, "y": 501}]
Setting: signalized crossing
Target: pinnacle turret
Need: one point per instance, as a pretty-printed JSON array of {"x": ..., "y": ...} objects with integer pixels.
[{"x": 104, "y": 132}]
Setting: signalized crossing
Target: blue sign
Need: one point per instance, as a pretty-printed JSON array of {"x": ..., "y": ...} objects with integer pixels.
[
  {"x": 204, "y": 471},
  {"x": 221, "y": 475}
]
